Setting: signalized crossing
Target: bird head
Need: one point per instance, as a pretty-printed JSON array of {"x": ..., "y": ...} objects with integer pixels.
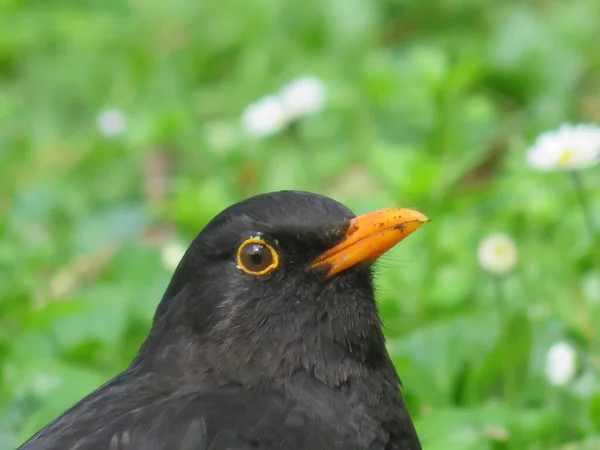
[{"x": 277, "y": 283}]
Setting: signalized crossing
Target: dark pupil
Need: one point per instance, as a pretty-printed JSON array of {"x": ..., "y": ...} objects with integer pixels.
[{"x": 257, "y": 257}]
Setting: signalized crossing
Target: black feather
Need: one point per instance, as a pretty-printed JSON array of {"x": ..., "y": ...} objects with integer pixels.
[{"x": 287, "y": 360}]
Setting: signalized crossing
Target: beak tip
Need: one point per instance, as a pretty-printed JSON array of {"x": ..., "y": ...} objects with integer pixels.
[{"x": 423, "y": 218}]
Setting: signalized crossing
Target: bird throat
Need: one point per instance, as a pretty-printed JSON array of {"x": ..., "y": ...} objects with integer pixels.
[
  {"x": 340, "y": 342},
  {"x": 336, "y": 339}
]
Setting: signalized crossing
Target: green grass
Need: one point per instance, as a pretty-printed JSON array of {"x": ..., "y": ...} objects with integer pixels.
[{"x": 431, "y": 104}]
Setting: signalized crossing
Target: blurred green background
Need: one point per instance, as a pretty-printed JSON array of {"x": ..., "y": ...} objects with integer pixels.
[{"x": 430, "y": 104}]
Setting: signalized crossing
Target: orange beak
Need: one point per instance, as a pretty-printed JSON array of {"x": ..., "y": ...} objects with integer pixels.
[{"x": 368, "y": 237}]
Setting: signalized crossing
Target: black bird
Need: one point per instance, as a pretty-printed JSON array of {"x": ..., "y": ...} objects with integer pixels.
[{"x": 267, "y": 337}]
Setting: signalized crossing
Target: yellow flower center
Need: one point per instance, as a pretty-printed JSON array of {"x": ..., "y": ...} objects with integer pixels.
[
  {"x": 501, "y": 251},
  {"x": 566, "y": 157}
]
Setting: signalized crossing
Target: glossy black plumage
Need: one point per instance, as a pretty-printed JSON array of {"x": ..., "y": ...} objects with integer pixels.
[{"x": 289, "y": 360}]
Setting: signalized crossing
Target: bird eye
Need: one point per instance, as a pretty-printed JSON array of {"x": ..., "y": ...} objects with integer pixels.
[{"x": 256, "y": 257}]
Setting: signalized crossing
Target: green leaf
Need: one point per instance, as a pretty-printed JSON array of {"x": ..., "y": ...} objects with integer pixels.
[
  {"x": 595, "y": 412},
  {"x": 431, "y": 360},
  {"x": 504, "y": 369}
]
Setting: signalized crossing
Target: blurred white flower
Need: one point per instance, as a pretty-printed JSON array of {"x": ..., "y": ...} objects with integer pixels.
[
  {"x": 497, "y": 254},
  {"x": 303, "y": 96},
  {"x": 222, "y": 136},
  {"x": 264, "y": 117},
  {"x": 496, "y": 432},
  {"x": 171, "y": 255},
  {"x": 571, "y": 147},
  {"x": 44, "y": 382},
  {"x": 111, "y": 122},
  {"x": 560, "y": 364}
]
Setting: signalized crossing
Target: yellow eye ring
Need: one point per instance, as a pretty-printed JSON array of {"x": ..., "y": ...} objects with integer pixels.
[{"x": 256, "y": 257}]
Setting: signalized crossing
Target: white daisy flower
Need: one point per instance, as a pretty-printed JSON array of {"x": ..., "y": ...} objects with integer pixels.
[
  {"x": 111, "y": 123},
  {"x": 303, "y": 96},
  {"x": 571, "y": 147},
  {"x": 560, "y": 364},
  {"x": 171, "y": 255},
  {"x": 264, "y": 117},
  {"x": 497, "y": 254}
]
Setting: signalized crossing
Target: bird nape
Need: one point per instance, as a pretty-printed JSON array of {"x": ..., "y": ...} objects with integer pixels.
[{"x": 267, "y": 337}]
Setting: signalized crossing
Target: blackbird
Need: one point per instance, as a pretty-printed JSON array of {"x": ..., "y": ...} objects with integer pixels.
[{"x": 267, "y": 337}]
